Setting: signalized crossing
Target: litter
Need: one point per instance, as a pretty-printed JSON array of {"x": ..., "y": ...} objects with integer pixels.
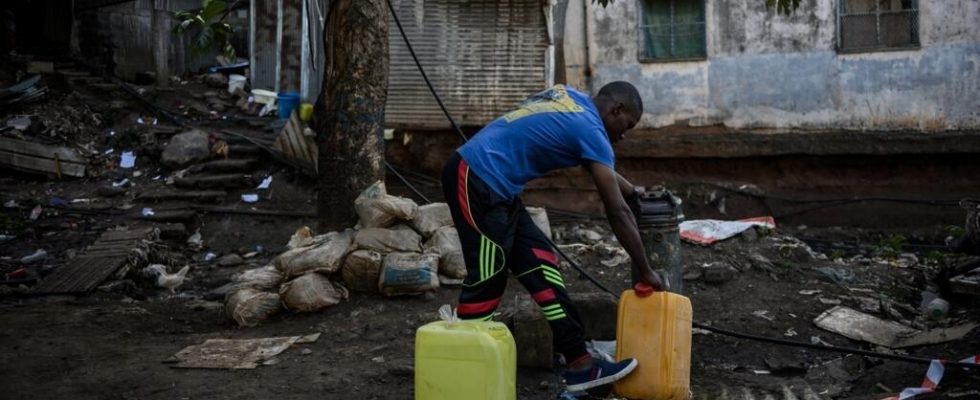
[
  {"x": 265, "y": 183},
  {"x": 250, "y": 198},
  {"x": 933, "y": 376},
  {"x": 34, "y": 257},
  {"x": 810, "y": 292},
  {"x": 708, "y": 231},
  {"x": 234, "y": 353},
  {"x": 36, "y": 212},
  {"x": 147, "y": 212},
  {"x": 764, "y": 314},
  {"x": 860, "y": 326},
  {"x": 127, "y": 160},
  {"x": 121, "y": 183},
  {"x": 210, "y": 257}
]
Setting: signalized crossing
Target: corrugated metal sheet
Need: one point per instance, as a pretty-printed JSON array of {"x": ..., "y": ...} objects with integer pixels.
[{"x": 483, "y": 56}]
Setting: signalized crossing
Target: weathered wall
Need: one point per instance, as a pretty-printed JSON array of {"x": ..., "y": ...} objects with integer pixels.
[
  {"x": 767, "y": 70},
  {"x": 133, "y": 37}
]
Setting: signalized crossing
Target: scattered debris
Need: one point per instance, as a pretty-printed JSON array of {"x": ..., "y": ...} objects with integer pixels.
[
  {"x": 708, "y": 231},
  {"x": 100, "y": 260},
  {"x": 250, "y": 197},
  {"x": 35, "y": 157},
  {"x": 860, "y": 326},
  {"x": 127, "y": 160},
  {"x": 968, "y": 283},
  {"x": 233, "y": 353},
  {"x": 296, "y": 143}
]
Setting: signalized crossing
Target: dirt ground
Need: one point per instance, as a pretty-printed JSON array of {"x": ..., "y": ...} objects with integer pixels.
[{"x": 113, "y": 343}]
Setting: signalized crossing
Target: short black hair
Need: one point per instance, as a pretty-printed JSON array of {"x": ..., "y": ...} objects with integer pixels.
[{"x": 623, "y": 92}]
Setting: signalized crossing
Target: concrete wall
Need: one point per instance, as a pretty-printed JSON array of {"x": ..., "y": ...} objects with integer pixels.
[{"x": 768, "y": 70}]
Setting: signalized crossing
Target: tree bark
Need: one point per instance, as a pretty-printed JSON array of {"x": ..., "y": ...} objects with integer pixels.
[{"x": 349, "y": 114}]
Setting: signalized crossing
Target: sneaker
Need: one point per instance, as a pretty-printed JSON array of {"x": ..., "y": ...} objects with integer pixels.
[{"x": 602, "y": 373}]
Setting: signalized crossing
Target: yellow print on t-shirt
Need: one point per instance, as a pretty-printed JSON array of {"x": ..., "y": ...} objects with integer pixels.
[{"x": 555, "y": 99}]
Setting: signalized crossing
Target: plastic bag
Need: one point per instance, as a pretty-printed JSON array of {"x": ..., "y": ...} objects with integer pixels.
[
  {"x": 409, "y": 273},
  {"x": 431, "y": 217},
  {"x": 445, "y": 243},
  {"x": 310, "y": 292},
  {"x": 361, "y": 270},
  {"x": 377, "y": 209},
  {"x": 248, "y": 307},
  {"x": 323, "y": 257},
  {"x": 265, "y": 278},
  {"x": 540, "y": 217},
  {"x": 384, "y": 241}
]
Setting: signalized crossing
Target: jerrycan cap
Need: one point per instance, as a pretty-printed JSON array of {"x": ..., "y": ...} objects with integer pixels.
[{"x": 642, "y": 289}]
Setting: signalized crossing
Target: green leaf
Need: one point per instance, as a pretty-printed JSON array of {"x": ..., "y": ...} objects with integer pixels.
[{"x": 212, "y": 8}]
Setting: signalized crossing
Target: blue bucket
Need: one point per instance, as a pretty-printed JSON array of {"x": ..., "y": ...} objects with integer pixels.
[{"x": 288, "y": 101}]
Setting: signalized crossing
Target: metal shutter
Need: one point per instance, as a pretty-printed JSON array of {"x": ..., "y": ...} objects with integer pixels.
[{"x": 482, "y": 56}]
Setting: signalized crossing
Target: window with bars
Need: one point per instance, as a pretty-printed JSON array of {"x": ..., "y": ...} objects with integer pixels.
[
  {"x": 672, "y": 30},
  {"x": 869, "y": 25}
]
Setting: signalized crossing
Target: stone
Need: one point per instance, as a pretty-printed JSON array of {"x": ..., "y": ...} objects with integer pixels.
[
  {"x": 718, "y": 272},
  {"x": 598, "y": 312},
  {"x": 532, "y": 335},
  {"x": 216, "y": 80},
  {"x": 230, "y": 260},
  {"x": 110, "y": 191},
  {"x": 185, "y": 149},
  {"x": 750, "y": 235}
]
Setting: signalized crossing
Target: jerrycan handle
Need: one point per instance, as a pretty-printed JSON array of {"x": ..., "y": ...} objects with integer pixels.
[{"x": 642, "y": 289}]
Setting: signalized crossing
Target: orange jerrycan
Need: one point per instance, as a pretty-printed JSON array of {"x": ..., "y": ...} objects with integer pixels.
[
  {"x": 473, "y": 360},
  {"x": 655, "y": 329}
]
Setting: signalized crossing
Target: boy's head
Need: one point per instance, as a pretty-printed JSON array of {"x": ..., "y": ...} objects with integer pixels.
[{"x": 620, "y": 108}]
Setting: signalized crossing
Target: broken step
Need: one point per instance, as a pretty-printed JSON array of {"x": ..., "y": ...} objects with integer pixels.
[
  {"x": 226, "y": 165},
  {"x": 238, "y": 151},
  {"x": 214, "y": 181},
  {"x": 170, "y": 194}
]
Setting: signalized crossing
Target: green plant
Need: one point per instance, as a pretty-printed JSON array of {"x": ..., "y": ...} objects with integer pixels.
[
  {"x": 783, "y": 6},
  {"x": 208, "y": 23},
  {"x": 890, "y": 246},
  {"x": 935, "y": 257},
  {"x": 837, "y": 253}
]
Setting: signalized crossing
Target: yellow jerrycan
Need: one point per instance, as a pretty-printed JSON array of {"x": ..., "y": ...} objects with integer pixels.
[
  {"x": 655, "y": 329},
  {"x": 472, "y": 360}
]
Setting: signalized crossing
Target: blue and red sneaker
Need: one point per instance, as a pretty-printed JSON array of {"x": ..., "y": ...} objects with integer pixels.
[{"x": 602, "y": 373}]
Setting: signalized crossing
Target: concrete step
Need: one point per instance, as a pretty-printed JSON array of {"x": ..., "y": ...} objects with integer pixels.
[{"x": 218, "y": 181}]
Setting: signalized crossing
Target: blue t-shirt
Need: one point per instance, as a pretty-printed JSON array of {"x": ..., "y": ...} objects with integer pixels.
[{"x": 557, "y": 128}]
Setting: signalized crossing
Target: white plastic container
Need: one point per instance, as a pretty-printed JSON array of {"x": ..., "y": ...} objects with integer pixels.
[
  {"x": 236, "y": 82},
  {"x": 263, "y": 96}
]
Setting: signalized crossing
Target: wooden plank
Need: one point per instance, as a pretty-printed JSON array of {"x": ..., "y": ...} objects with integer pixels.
[
  {"x": 80, "y": 276},
  {"x": 35, "y": 164},
  {"x": 65, "y": 154},
  {"x": 183, "y": 195},
  {"x": 132, "y": 234}
]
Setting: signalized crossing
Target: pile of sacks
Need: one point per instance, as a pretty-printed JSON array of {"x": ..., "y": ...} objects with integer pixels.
[{"x": 398, "y": 248}]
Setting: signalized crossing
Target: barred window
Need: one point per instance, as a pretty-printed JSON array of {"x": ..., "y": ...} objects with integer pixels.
[
  {"x": 868, "y": 25},
  {"x": 672, "y": 30}
]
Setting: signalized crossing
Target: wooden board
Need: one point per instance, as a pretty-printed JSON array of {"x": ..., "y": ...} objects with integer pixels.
[
  {"x": 88, "y": 270},
  {"x": 39, "y": 150},
  {"x": 38, "y": 164}
]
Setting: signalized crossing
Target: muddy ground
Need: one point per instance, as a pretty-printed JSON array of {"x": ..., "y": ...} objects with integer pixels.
[{"x": 113, "y": 343}]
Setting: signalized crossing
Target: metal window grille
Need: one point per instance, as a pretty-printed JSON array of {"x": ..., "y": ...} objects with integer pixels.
[
  {"x": 672, "y": 30},
  {"x": 868, "y": 25}
]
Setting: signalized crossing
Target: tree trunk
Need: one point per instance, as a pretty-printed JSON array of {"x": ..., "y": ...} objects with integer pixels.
[{"x": 349, "y": 114}]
